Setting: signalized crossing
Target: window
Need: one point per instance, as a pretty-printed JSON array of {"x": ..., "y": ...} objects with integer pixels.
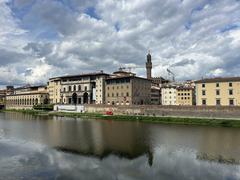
[
  {"x": 230, "y": 92},
  {"x": 74, "y": 88},
  {"x": 112, "y": 94},
  {"x": 203, "y": 92},
  {"x": 230, "y": 84},
  {"x": 117, "y": 94},
  {"x": 217, "y": 84},
  {"x": 79, "y": 87},
  {"x": 204, "y": 102},
  {"x": 231, "y": 102},
  {"x": 127, "y": 94},
  {"x": 64, "y": 89},
  {"x": 85, "y": 88},
  {"x": 203, "y": 85},
  {"x": 218, "y": 102},
  {"x": 69, "y": 88},
  {"x": 217, "y": 92},
  {"x": 108, "y": 94}
]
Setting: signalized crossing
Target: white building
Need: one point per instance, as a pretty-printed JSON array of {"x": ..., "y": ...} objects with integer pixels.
[{"x": 169, "y": 94}]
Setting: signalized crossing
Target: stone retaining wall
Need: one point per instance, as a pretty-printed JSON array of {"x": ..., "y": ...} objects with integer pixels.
[{"x": 156, "y": 110}]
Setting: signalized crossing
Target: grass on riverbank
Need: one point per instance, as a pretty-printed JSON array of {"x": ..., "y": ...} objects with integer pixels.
[{"x": 148, "y": 119}]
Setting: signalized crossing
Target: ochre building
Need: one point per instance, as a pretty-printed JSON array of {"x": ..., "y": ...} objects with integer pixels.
[
  {"x": 185, "y": 96},
  {"x": 218, "y": 92}
]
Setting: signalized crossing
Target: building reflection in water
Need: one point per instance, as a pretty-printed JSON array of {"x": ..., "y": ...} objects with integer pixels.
[
  {"x": 129, "y": 140},
  {"x": 102, "y": 138}
]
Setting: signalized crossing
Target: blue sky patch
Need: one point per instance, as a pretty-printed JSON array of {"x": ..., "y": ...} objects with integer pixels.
[{"x": 91, "y": 11}]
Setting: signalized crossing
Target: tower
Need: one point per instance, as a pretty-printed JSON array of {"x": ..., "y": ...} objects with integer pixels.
[{"x": 149, "y": 66}]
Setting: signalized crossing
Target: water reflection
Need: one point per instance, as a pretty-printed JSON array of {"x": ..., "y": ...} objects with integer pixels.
[{"x": 57, "y": 147}]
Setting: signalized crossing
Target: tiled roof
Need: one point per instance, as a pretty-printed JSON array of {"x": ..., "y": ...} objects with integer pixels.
[
  {"x": 219, "y": 79},
  {"x": 80, "y": 75}
]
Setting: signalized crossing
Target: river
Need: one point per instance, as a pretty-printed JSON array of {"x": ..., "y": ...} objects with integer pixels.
[{"x": 44, "y": 147}]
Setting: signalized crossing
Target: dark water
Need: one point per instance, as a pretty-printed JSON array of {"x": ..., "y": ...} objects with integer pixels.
[{"x": 42, "y": 147}]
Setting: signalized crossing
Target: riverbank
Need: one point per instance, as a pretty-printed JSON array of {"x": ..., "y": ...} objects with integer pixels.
[{"x": 146, "y": 119}]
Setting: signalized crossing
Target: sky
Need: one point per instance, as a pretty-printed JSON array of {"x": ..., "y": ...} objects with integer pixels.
[{"x": 40, "y": 39}]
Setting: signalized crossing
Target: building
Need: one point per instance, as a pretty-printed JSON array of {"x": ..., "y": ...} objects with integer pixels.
[
  {"x": 185, "y": 96},
  {"x": 27, "y": 97},
  {"x": 78, "y": 89},
  {"x": 54, "y": 90},
  {"x": 124, "y": 88},
  {"x": 218, "y": 91},
  {"x": 155, "y": 95},
  {"x": 169, "y": 95},
  {"x": 2, "y": 97},
  {"x": 149, "y": 66}
]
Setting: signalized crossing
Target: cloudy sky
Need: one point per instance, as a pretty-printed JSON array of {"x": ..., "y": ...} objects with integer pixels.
[{"x": 44, "y": 38}]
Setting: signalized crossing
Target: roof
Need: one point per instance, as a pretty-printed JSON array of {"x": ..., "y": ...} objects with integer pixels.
[
  {"x": 186, "y": 88},
  {"x": 218, "y": 79},
  {"x": 80, "y": 75},
  {"x": 27, "y": 87},
  {"x": 121, "y": 77}
]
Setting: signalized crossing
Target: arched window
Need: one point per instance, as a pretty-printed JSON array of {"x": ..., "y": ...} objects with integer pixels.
[
  {"x": 79, "y": 87},
  {"x": 74, "y": 88},
  {"x": 69, "y": 88}
]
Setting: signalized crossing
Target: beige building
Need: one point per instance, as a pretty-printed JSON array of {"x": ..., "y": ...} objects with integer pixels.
[
  {"x": 169, "y": 93},
  {"x": 27, "y": 97},
  {"x": 124, "y": 88},
  {"x": 218, "y": 92},
  {"x": 185, "y": 96},
  {"x": 54, "y": 90},
  {"x": 78, "y": 89}
]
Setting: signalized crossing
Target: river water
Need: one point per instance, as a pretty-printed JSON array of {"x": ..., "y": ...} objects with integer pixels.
[{"x": 43, "y": 147}]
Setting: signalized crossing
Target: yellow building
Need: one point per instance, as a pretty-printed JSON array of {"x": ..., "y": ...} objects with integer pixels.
[
  {"x": 27, "y": 97},
  {"x": 185, "y": 96},
  {"x": 54, "y": 90},
  {"x": 218, "y": 91}
]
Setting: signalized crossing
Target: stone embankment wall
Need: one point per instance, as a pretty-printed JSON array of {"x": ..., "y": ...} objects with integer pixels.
[
  {"x": 9, "y": 107},
  {"x": 183, "y": 111}
]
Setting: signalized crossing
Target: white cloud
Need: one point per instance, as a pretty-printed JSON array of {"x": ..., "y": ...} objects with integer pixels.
[{"x": 72, "y": 41}]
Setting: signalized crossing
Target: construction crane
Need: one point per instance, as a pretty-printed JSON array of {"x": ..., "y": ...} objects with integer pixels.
[{"x": 170, "y": 73}]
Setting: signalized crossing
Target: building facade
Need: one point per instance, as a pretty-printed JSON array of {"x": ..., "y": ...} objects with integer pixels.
[
  {"x": 155, "y": 95},
  {"x": 169, "y": 95},
  {"x": 128, "y": 90},
  {"x": 27, "y": 97},
  {"x": 218, "y": 92},
  {"x": 2, "y": 97},
  {"x": 78, "y": 89},
  {"x": 54, "y": 90},
  {"x": 185, "y": 96}
]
